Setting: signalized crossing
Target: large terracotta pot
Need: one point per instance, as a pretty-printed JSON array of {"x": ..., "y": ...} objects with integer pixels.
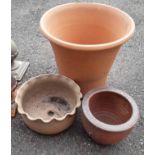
[{"x": 86, "y": 38}]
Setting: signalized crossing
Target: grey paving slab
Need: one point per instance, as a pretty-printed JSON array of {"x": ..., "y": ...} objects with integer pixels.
[{"x": 126, "y": 74}]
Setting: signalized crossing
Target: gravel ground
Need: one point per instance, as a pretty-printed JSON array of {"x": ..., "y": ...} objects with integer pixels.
[{"x": 126, "y": 74}]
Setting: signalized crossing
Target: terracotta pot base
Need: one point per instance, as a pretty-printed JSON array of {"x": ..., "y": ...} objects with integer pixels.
[{"x": 86, "y": 86}]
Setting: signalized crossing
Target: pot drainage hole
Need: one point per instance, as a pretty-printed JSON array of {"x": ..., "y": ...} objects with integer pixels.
[
  {"x": 50, "y": 113},
  {"x": 59, "y": 106}
]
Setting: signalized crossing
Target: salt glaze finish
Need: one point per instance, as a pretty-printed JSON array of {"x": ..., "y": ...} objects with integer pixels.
[
  {"x": 108, "y": 115},
  {"x": 86, "y": 38},
  {"x": 48, "y": 103}
]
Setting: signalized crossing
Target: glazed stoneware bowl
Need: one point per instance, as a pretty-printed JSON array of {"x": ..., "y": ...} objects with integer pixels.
[
  {"x": 108, "y": 115},
  {"x": 48, "y": 103},
  {"x": 86, "y": 38}
]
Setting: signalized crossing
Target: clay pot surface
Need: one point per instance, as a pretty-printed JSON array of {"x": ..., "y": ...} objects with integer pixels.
[
  {"x": 13, "y": 84},
  {"x": 48, "y": 103},
  {"x": 86, "y": 38},
  {"x": 108, "y": 115},
  {"x": 13, "y": 88}
]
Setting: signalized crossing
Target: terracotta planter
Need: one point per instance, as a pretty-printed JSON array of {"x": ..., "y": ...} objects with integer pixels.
[
  {"x": 108, "y": 115},
  {"x": 86, "y": 38},
  {"x": 13, "y": 87},
  {"x": 48, "y": 103}
]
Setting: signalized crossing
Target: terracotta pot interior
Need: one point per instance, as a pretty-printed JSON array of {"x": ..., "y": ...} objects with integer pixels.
[
  {"x": 45, "y": 99},
  {"x": 110, "y": 108},
  {"x": 86, "y": 24}
]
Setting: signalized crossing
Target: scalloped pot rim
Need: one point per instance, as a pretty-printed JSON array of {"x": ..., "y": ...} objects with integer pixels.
[
  {"x": 20, "y": 91},
  {"x": 87, "y": 47}
]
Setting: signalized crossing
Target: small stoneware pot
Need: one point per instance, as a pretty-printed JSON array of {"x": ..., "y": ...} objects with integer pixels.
[
  {"x": 86, "y": 38},
  {"x": 108, "y": 115},
  {"x": 48, "y": 103}
]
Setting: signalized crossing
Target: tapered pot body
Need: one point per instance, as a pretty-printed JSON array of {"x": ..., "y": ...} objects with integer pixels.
[
  {"x": 89, "y": 70},
  {"x": 86, "y": 38}
]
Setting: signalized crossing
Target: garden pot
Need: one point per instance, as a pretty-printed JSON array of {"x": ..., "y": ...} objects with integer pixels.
[
  {"x": 13, "y": 87},
  {"x": 86, "y": 38},
  {"x": 48, "y": 103},
  {"x": 108, "y": 115}
]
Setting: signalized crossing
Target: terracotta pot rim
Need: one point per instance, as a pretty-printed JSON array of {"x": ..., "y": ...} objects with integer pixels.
[
  {"x": 108, "y": 127},
  {"x": 65, "y": 79},
  {"x": 87, "y": 47}
]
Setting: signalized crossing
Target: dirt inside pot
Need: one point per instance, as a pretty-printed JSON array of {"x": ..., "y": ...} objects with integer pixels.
[
  {"x": 48, "y": 98},
  {"x": 59, "y": 106},
  {"x": 48, "y": 106}
]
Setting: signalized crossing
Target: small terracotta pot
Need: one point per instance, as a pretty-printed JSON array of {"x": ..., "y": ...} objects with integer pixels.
[
  {"x": 108, "y": 115},
  {"x": 48, "y": 103},
  {"x": 86, "y": 38}
]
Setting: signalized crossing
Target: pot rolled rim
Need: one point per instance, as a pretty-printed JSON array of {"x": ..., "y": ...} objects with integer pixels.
[
  {"x": 109, "y": 127},
  {"x": 20, "y": 91},
  {"x": 86, "y": 47}
]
